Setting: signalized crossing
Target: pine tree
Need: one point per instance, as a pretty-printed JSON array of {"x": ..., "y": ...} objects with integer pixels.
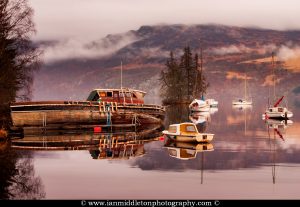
[{"x": 184, "y": 81}]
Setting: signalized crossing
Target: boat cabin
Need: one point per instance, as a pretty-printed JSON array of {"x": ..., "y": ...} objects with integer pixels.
[
  {"x": 277, "y": 110},
  {"x": 124, "y": 95},
  {"x": 189, "y": 129}
]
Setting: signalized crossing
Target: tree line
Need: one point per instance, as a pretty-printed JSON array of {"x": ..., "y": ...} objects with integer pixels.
[{"x": 183, "y": 79}]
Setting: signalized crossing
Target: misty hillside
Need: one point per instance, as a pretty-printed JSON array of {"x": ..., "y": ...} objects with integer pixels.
[{"x": 73, "y": 67}]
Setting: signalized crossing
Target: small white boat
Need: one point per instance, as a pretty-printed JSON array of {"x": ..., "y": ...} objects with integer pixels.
[
  {"x": 199, "y": 105},
  {"x": 242, "y": 101},
  {"x": 245, "y": 100},
  {"x": 277, "y": 112},
  {"x": 187, "y": 132},
  {"x": 186, "y": 151}
]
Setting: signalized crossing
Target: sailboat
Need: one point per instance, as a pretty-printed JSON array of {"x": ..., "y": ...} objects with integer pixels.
[
  {"x": 243, "y": 101},
  {"x": 277, "y": 112},
  {"x": 202, "y": 105}
]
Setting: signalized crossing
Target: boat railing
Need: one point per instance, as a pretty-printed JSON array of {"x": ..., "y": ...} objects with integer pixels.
[{"x": 103, "y": 104}]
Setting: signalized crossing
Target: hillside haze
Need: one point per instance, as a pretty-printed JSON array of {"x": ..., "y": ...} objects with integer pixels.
[{"x": 72, "y": 68}]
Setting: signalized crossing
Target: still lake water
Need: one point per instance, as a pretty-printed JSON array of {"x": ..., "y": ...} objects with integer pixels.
[{"x": 246, "y": 160}]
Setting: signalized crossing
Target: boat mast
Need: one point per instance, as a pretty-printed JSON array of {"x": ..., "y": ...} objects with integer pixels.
[
  {"x": 274, "y": 82},
  {"x": 121, "y": 75},
  {"x": 122, "y": 82},
  {"x": 245, "y": 87}
]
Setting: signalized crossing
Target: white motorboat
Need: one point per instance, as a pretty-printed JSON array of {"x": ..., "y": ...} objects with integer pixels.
[
  {"x": 187, "y": 132},
  {"x": 199, "y": 105}
]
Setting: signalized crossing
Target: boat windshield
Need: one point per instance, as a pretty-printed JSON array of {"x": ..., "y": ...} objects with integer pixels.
[{"x": 190, "y": 128}]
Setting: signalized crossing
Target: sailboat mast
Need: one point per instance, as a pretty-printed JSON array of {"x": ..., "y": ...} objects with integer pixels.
[
  {"x": 245, "y": 86},
  {"x": 274, "y": 82},
  {"x": 121, "y": 74},
  {"x": 122, "y": 82}
]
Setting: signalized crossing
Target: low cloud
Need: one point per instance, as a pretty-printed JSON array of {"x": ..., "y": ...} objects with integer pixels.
[
  {"x": 85, "y": 49},
  {"x": 287, "y": 52},
  {"x": 154, "y": 52},
  {"x": 269, "y": 80},
  {"x": 232, "y": 49}
]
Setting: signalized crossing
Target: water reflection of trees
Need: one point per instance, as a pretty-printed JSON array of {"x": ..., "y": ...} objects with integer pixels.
[
  {"x": 17, "y": 175},
  {"x": 176, "y": 113}
]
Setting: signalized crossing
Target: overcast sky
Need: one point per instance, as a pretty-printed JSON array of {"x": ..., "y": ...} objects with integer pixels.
[{"x": 96, "y": 18}]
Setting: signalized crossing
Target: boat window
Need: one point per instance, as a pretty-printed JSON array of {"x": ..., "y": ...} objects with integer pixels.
[
  {"x": 190, "y": 128},
  {"x": 128, "y": 95},
  {"x": 172, "y": 129},
  {"x": 96, "y": 97},
  {"x": 134, "y": 96},
  {"x": 280, "y": 109},
  {"x": 173, "y": 152},
  {"x": 270, "y": 110},
  {"x": 116, "y": 94},
  {"x": 121, "y": 94},
  {"x": 102, "y": 94},
  {"x": 109, "y": 94},
  {"x": 92, "y": 95}
]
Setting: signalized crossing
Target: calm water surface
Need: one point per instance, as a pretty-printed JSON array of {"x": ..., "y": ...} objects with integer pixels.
[{"x": 248, "y": 159}]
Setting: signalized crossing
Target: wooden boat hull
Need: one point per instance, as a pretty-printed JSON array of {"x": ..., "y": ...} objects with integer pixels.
[{"x": 41, "y": 114}]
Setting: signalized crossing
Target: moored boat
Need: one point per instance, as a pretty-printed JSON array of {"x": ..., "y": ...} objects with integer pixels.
[
  {"x": 241, "y": 101},
  {"x": 103, "y": 106},
  {"x": 187, "y": 132},
  {"x": 198, "y": 105},
  {"x": 245, "y": 100},
  {"x": 212, "y": 102},
  {"x": 277, "y": 112}
]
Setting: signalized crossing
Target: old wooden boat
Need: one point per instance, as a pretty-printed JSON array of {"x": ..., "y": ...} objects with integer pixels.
[
  {"x": 187, "y": 132},
  {"x": 102, "y": 107}
]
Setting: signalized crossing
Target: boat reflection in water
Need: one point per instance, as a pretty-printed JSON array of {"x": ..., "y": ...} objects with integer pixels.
[
  {"x": 185, "y": 150},
  {"x": 117, "y": 144},
  {"x": 116, "y": 147},
  {"x": 278, "y": 124},
  {"x": 242, "y": 107},
  {"x": 199, "y": 117},
  {"x": 277, "y": 128}
]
